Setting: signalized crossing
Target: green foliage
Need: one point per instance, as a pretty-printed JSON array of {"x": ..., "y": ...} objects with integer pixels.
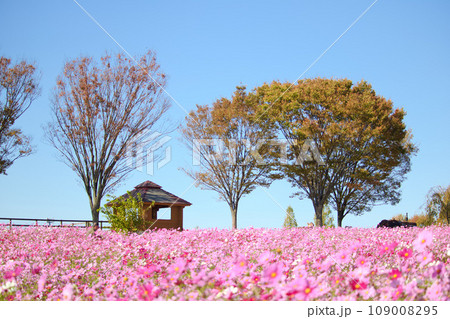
[
  {"x": 327, "y": 217},
  {"x": 125, "y": 214},
  {"x": 399, "y": 217},
  {"x": 437, "y": 208},
  {"x": 438, "y": 205},
  {"x": 290, "y": 221},
  {"x": 422, "y": 220},
  {"x": 357, "y": 134}
]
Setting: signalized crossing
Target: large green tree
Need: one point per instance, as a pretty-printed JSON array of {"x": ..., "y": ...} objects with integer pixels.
[
  {"x": 378, "y": 155},
  {"x": 18, "y": 89},
  {"x": 359, "y": 136},
  {"x": 101, "y": 111},
  {"x": 229, "y": 147}
]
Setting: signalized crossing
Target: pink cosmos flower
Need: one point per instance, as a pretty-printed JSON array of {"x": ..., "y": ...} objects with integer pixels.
[
  {"x": 435, "y": 292},
  {"x": 336, "y": 281},
  {"x": 322, "y": 289},
  {"x": 178, "y": 267},
  {"x": 388, "y": 248},
  {"x": 68, "y": 292},
  {"x": 273, "y": 273},
  {"x": 360, "y": 273},
  {"x": 41, "y": 283},
  {"x": 307, "y": 261},
  {"x": 406, "y": 269},
  {"x": 13, "y": 273},
  {"x": 345, "y": 298},
  {"x": 200, "y": 278},
  {"x": 367, "y": 293},
  {"x": 357, "y": 284},
  {"x": 436, "y": 270},
  {"x": 395, "y": 274},
  {"x": 423, "y": 240},
  {"x": 326, "y": 264},
  {"x": 89, "y": 293},
  {"x": 302, "y": 289},
  {"x": 36, "y": 270},
  {"x": 424, "y": 258},
  {"x": 255, "y": 279},
  {"x": 147, "y": 271},
  {"x": 239, "y": 266},
  {"x": 67, "y": 258},
  {"x": 411, "y": 290},
  {"x": 405, "y": 253},
  {"x": 343, "y": 257},
  {"x": 361, "y": 262},
  {"x": 265, "y": 257},
  {"x": 397, "y": 293},
  {"x": 146, "y": 292},
  {"x": 355, "y": 246},
  {"x": 193, "y": 295}
]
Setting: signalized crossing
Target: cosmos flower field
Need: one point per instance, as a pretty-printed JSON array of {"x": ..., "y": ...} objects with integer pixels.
[{"x": 50, "y": 263}]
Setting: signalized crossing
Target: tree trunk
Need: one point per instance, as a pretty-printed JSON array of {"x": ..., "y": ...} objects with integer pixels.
[
  {"x": 318, "y": 209},
  {"x": 340, "y": 217},
  {"x": 95, "y": 205},
  {"x": 233, "y": 209}
]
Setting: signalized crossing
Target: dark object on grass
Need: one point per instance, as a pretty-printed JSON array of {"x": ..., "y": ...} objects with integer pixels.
[{"x": 395, "y": 223}]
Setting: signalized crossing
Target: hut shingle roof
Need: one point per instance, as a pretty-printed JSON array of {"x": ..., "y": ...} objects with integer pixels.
[{"x": 150, "y": 192}]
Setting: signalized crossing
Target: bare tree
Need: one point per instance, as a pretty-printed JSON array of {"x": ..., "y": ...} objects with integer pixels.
[
  {"x": 18, "y": 89},
  {"x": 230, "y": 148},
  {"x": 100, "y": 112}
]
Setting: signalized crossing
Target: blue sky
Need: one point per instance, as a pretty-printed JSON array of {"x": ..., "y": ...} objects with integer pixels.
[{"x": 207, "y": 48}]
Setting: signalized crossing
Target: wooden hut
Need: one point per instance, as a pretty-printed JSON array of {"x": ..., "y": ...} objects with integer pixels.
[{"x": 167, "y": 211}]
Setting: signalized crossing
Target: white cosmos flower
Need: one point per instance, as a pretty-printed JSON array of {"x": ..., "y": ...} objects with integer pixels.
[
  {"x": 8, "y": 286},
  {"x": 227, "y": 292}
]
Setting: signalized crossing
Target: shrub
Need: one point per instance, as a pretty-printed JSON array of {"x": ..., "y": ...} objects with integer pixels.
[
  {"x": 126, "y": 214},
  {"x": 289, "y": 220},
  {"x": 422, "y": 220},
  {"x": 400, "y": 217}
]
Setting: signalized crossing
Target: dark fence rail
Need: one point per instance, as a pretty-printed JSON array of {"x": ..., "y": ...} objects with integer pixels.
[{"x": 20, "y": 222}]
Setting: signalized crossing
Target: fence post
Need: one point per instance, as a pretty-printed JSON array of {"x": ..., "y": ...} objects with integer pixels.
[{"x": 10, "y": 224}]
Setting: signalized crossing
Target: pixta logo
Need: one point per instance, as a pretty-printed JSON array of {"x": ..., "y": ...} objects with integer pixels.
[
  {"x": 217, "y": 150},
  {"x": 149, "y": 150},
  {"x": 310, "y": 153}
]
